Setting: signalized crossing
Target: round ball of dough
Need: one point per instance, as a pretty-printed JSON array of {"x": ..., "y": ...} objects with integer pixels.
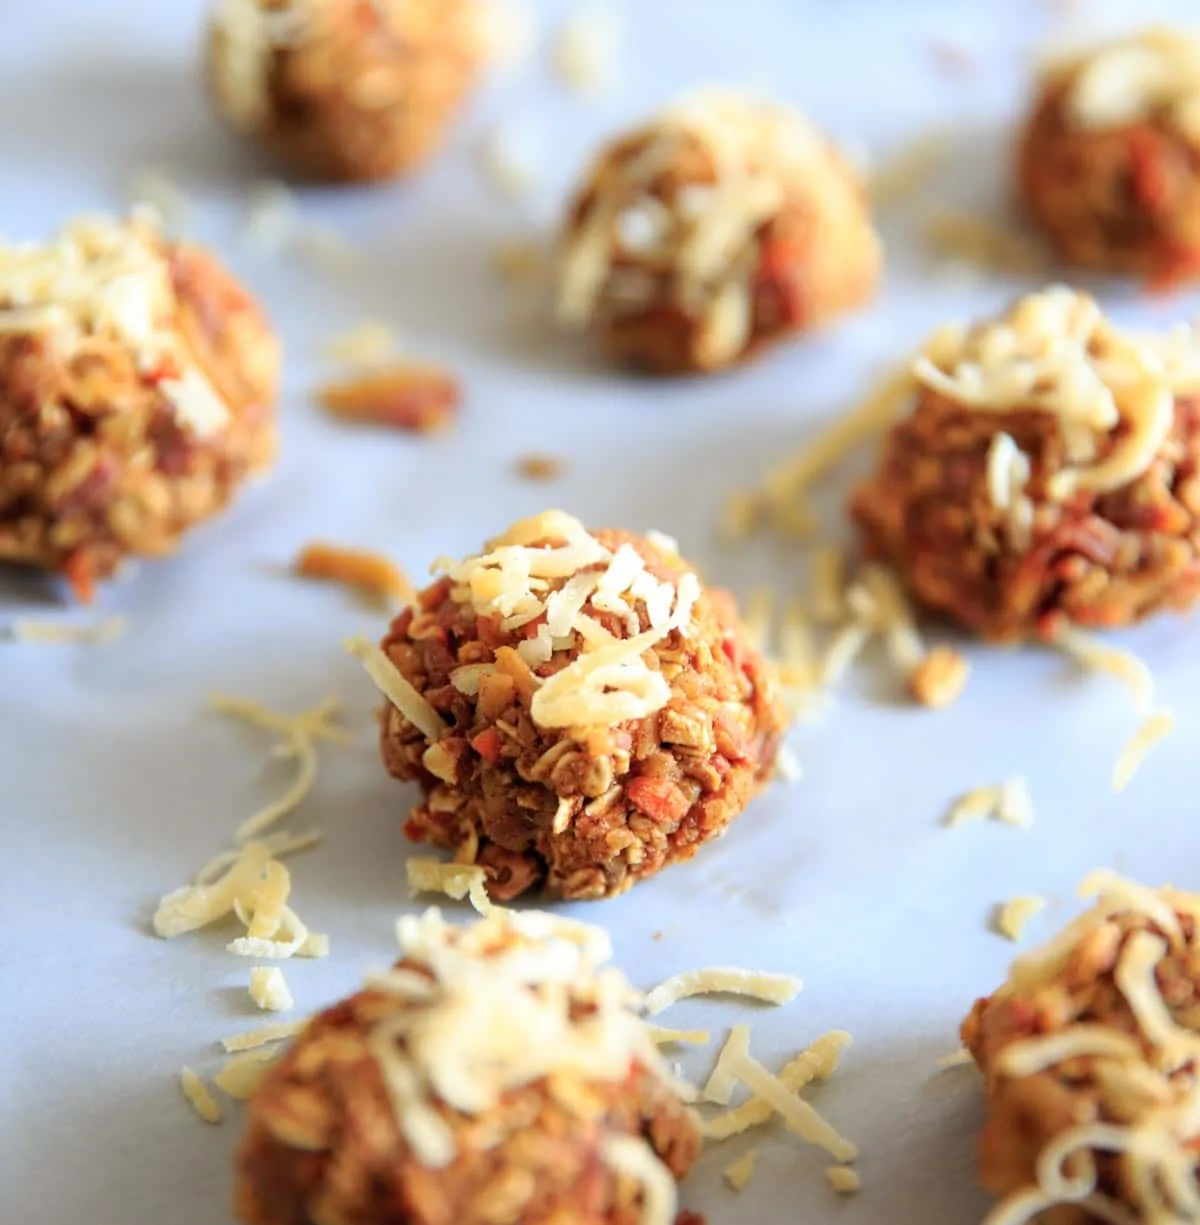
[
  {"x": 719, "y": 227},
  {"x": 1088, "y": 1061},
  {"x": 1109, "y": 163},
  {"x": 343, "y": 90},
  {"x": 499, "y": 1073},
  {"x": 137, "y": 385},
  {"x": 588, "y": 712},
  {"x": 1046, "y": 474}
]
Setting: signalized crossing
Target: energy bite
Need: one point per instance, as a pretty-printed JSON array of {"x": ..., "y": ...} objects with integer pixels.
[
  {"x": 1089, "y": 1054},
  {"x": 578, "y": 710},
  {"x": 137, "y": 385},
  {"x": 1047, "y": 473},
  {"x": 1109, "y": 162},
  {"x": 344, "y": 90},
  {"x": 499, "y": 1074},
  {"x": 719, "y": 227}
]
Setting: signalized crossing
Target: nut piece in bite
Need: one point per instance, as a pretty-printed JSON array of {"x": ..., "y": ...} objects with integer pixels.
[
  {"x": 500, "y": 1072},
  {"x": 578, "y": 710},
  {"x": 1046, "y": 474},
  {"x": 344, "y": 90},
  {"x": 718, "y": 227},
  {"x": 137, "y": 387},
  {"x": 1109, "y": 162}
]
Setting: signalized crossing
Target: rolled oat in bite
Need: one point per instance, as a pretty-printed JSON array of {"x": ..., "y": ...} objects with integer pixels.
[
  {"x": 1089, "y": 1054},
  {"x": 499, "y": 1073},
  {"x": 344, "y": 90},
  {"x": 137, "y": 387},
  {"x": 718, "y": 227},
  {"x": 578, "y": 710},
  {"x": 1047, "y": 473},
  {"x": 1109, "y": 162}
]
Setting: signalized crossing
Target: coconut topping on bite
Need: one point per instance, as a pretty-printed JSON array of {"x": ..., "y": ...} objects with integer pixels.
[
  {"x": 1148, "y": 1107},
  {"x": 701, "y": 233},
  {"x": 549, "y": 566},
  {"x": 1055, "y": 352},
  {"x": 105, "y": 278},
  {"x": 506, "y": 1001},
  {"x": 1133, "y": 78},
  {"x": 250, "y": 31}
]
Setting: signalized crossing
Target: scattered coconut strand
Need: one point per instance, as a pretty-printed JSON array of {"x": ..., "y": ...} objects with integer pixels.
[
  {"x": 455, "y": 880},
  {"x": 1009, "y": 803},
  {"x": 1142, "y": 741},
  {"x": 721, "y": 1083},
  {"x": 980, "y": 243},
  {"x": 368, "y": 344},
  {"x": 738, "y": 1173},
  {"x": 199, "y": 1095},
  {"x": 30, "y": 629},
  {"x": 843, "y": 1179},
  {"x": 370, "y": 573},
  {"x": 817, "y": 1062},
  {"x": 956, "y": 1059},
  {"x": 240, "y": 1074},
  {"x": 255, "y": 887},
  {"x": 722, "y": 980},
  {"x": 910, "y": 168},
  {"x": 1093, "y": 655},
  {"x": 798, "y": 1115},
  {"x": 299, "y": 731},
  {"x": 585, "y": 51},
  {"x": 509, "y": 157},
  {"x": 1012, "y": 916},
  {"x": 264, "y": 1035},
  {"x": 153, "y": 186},
  {"x": 662, "y": 1036},
  {"x": 269, "y": 989},
  {"x": 787, "y": 483}
]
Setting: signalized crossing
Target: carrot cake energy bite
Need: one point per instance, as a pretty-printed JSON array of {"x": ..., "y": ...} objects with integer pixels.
[
  {"x": 1109, "y": 164},
  {"x": 499, "y": 1074},
  {"x": 344, "y": 90},
  {"x": 578, "y": 710},
  {"x": 717, "y": 228},
  {"x": 1089, "y": 1054},
  {"x": 137, "y": 384},
  {"x": 1046, "y": 474}
]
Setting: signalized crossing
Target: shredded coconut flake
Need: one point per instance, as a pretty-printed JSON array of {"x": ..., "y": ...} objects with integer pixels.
[
  {"x": 30, "y": 629},
  {"x": 722, "y": 980},
  {"x": 199, "y": 1095},
  {"x": 399, "y": 691},
  {"x": 240, "y": 1074},
  {"x": 265, "y": 1035},
  {"x": 818, "y": 1062},
  {"x": 585, "y": 51},
  {"x": 367, "y": 344},
  {"x": 798, "y": 1115},
  {"x": 269, "y": 989},
  {"x": 722, "y": 1081},
  {"x": 1012, "y": 916},
  {"x": 1134, "y": 753},
  {"x": 843, "y": 1179},
  {"x": 738, "y": 1173},
  {"x": 663, "y": 1036}
]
